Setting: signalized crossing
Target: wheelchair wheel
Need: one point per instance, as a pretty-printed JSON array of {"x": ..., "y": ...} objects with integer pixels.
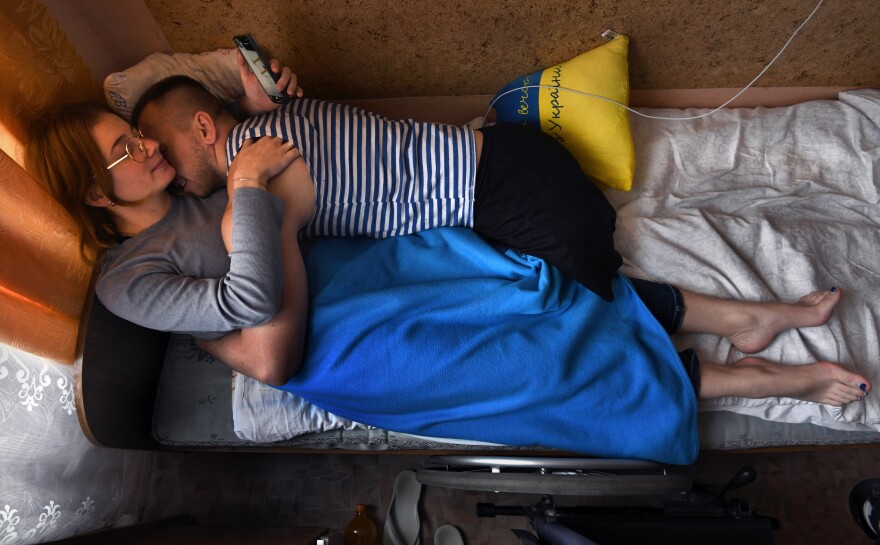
[{"x": 556, "y": 476}]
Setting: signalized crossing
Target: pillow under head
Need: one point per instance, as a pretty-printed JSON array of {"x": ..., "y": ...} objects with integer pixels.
[{"x": 216, "y": 70}]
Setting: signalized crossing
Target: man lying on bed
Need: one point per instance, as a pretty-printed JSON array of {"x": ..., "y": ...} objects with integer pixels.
[
  {"x": 518, "y": 353},
  {"x": 363, "y": 175}
]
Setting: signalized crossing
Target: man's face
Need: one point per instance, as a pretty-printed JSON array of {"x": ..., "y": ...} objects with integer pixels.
[{"x": 196, "y": 172}]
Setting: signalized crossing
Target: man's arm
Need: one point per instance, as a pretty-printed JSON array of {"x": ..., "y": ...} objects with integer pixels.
[
  {"x": 273, "y": 352},
  {"x": 255, "y": 101}
]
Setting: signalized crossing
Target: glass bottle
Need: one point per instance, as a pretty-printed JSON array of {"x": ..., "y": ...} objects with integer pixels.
[{"x": 361, "y": 530}]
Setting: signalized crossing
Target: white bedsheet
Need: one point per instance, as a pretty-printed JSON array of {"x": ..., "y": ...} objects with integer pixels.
[
  {"x": 767, "y": 205},
  {"x": 760, "y": 204}
]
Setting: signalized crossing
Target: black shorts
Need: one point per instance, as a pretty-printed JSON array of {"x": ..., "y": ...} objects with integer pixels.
[
  {"x": 532, "y": 196},
  {"x": 666, "y": 304}
]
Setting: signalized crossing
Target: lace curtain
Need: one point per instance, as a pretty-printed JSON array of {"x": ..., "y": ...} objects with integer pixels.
[{"x": 53, "y": 482}]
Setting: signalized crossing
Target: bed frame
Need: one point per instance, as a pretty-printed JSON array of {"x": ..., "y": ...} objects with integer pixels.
[{"x": 115, "y": 406}]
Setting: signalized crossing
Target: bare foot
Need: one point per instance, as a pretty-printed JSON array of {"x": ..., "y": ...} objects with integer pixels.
[
  {"x": 760, "y": 323},
  {"x": 819, "y": 382}
]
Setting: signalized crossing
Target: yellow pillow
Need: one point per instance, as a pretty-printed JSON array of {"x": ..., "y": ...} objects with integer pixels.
[{"x": 595, "y": 131}]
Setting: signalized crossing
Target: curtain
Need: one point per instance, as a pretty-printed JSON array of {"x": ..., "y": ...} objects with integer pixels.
[
  {"x": 43, "y": 280},
  {"x": 54, "y": 483}
]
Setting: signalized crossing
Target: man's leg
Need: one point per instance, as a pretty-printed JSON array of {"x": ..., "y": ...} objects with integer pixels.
[
  {"x": 752, "y": 326},
  {"x": 532, "y": 196},
  {"x": 664, "y": 301}
]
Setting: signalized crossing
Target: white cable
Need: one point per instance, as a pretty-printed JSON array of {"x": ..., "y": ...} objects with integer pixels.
[{"x": 734, "y": 97}]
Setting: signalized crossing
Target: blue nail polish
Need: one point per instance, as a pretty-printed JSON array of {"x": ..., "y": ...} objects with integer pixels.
[
  {"x": 863, "y": 387},
  {"x": 833, "y": 290}
]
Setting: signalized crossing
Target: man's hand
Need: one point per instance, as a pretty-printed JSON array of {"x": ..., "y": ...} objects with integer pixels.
[{"x": 255, "y": 101}]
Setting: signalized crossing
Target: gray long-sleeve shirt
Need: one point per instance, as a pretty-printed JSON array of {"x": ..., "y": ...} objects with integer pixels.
[{"x": 177, "y": 276}]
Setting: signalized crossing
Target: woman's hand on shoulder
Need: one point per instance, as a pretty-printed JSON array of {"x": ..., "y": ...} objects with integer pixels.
[
  {"x": 260, "y": 160},
  {"x": 255, "y": 101}
]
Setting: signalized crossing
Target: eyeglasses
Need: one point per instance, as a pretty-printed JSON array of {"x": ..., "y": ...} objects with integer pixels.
[{"x": 134, "y": 148}]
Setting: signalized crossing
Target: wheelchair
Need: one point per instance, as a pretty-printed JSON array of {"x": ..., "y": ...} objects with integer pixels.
[{"x": 629, "y": 501}]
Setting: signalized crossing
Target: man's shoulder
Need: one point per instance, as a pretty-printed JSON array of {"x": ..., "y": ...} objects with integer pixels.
[
  {"x": 304, "y": 109},
  {"x": 295, "y": 108},
  {"x": 292, "y": 121}
]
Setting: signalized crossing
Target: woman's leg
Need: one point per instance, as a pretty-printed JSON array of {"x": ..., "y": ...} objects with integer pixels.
[
  {"x": 752, "y": 326},
  {"x": 819, "y": 382}
]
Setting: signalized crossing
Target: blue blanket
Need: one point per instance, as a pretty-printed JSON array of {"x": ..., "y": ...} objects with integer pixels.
[{"x": 442, "y": 334}]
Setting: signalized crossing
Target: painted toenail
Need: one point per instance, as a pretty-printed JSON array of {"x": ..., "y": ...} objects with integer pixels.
[
  {"x": 863, "y": 387},
  {"x": 833, "y": 290}
]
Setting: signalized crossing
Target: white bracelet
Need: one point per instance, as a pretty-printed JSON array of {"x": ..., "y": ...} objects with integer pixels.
[{"x": 242, "y": 179}]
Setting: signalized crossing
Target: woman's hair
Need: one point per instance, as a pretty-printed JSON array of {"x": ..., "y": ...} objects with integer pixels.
[{"x": 63, "y": 156}]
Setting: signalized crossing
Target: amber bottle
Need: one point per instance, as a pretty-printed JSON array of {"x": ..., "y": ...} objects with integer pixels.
[{"x": 361, "y": 530}]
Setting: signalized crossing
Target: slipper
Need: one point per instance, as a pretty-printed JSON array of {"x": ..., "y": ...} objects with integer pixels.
[
  {"x": 402, "y": 525},
  {"x": 448, "y": 535}
]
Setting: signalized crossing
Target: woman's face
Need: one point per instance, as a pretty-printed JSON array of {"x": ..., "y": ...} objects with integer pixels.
[{"x": 132, "y": 180}]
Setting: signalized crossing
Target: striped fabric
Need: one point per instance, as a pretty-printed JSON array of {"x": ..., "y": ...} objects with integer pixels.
[{"x": 374, "y": 176}]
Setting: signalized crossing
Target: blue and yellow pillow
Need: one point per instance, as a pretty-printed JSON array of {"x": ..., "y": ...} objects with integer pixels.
[{"x": 595, "y": 131}]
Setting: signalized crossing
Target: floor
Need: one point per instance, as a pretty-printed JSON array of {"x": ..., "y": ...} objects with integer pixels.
[{"x": 807, "y": 491}]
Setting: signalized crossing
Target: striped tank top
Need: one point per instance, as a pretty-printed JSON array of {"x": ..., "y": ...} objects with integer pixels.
[{"x": 374, "y": 176}]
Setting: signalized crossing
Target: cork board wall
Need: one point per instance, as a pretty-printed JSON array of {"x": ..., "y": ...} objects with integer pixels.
[{"x": 385, "y": 48}]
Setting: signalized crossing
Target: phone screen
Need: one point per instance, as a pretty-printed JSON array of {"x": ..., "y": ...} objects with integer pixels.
[{"x": 259, "y": 66}]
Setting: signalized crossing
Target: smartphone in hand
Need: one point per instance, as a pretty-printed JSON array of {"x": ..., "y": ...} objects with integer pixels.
[{"x": 259, "y": 65}]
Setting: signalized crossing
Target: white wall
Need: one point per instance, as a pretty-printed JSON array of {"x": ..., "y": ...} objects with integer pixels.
[{"x": 110, "y": 35}]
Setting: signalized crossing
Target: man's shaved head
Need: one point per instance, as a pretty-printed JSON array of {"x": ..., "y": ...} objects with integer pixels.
[{"x": 179, "y": 98}]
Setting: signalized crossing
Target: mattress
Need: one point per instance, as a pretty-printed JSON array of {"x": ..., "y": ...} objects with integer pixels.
[
  {"x": 195, "y": 407},
  {"x": 767, "y": 204}
]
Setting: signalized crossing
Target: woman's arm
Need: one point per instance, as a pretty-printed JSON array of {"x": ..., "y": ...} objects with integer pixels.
[
  {"x": 167, "y": 278},
  {"x": 272, "y": 352},
  {"x": 177, "y": 276}
]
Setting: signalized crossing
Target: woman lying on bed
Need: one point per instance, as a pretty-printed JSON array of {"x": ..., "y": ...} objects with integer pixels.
[{"x": 517, "y": 354}]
